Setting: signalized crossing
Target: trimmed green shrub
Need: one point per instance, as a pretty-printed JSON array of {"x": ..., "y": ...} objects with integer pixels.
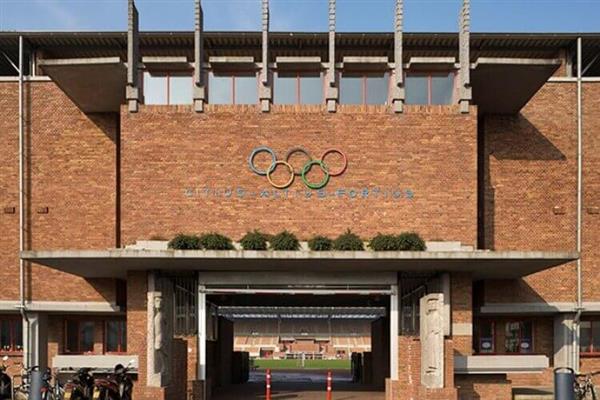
[
  {"x": 384, "y": 243},
  {"x": 254, "y": 240},
  {"x": 285, "y": 241},
  {"x": 411, "y": 241},
  {"x": 348, "y": 241},
  {"x": 185, "y": 242},
  {"x": 320, "y": 243},
  {"x": 215, "y": 241}
]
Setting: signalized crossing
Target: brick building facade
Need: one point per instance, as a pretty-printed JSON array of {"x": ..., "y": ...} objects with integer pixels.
[{"x": 484, "y": 168}]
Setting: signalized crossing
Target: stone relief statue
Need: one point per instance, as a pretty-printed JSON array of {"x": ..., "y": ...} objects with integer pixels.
[
  {"x": 432, "y": 341},
  {"x": 160, "y": 330},
  {"x": 160, "y": 338}
]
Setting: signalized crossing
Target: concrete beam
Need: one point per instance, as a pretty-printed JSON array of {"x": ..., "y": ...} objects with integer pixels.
[
  {"x": 62, "y": 306},
  {"x": 332, "y": 92},
  {"x": 464, "y": 57},
  {"x": 482, "y": 264},
  {"x": 398, "y": 94},
  {"x": 505, "y": 364},
  {"x": 166, "y": 63},
  {"x": 199, "y": 86},
  {"x": 94, "y": 84},
  {"x": 132, "y": 92},
  {"x": 430, "y": 63},
  {"x": 265, "y": 93}
]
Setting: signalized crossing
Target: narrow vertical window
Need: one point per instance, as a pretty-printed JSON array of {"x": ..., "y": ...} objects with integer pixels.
[
  {"x": 485, "y": 337},
  {"x": 116, "y": 336},
  {"x": 519, "y": 337}
]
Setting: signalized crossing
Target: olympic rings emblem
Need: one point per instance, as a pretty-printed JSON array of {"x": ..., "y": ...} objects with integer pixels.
[{"x": 303, "y": 172}]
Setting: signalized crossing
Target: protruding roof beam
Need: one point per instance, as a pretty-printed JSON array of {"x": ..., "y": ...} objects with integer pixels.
[
  {"x": 132, "y": 92},
  {"x": 464, "y": 57},
  {"x": 332, "y": 91},
  {"x": 398, "y": 93},
  {"x": 199, "y": 87},
  {"x": 265, "y": 89}
]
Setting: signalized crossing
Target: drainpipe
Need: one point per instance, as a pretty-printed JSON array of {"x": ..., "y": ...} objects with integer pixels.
[
  {"x": 579, "y": 206},
  {"x": 22, "y": 305}
]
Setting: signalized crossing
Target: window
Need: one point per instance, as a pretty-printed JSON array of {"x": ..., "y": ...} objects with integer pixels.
[
  {"x": 186, "y": 299},
  {"x": 11, "y": 335},
  {"x": 167, "y": 88},
  {"x": 116, "y": 336},
  {"x": 485, "y": 337},
  {"x": 79, "y": 336},
  {"x": 429, "y": 88},
  {"x": 590, "y": 336},
  {"x": 229, "y": 88},
  {"x": 298, "y": 88},
  {"x": 518, "y": 337},
  {"x": 364, "y": 88}
]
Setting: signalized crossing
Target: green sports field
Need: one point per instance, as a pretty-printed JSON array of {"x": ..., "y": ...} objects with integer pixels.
[{"x": 297, "y": 364}]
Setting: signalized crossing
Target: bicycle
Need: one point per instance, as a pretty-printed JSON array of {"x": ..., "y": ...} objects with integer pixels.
[{"x": 584, "y": 386}]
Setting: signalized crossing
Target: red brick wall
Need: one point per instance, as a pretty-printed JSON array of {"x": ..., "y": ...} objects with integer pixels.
[
  {"x": 530, "y": 169},
  {"x": 71, "y": 170},
  {"x": 168, "y": 149}
]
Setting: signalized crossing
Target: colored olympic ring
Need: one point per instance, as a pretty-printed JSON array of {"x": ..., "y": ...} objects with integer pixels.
[
  {"x": 274, "y": 167},
  {"x": 339, "y": 171},
  {"x": 307, "y": 167},
  {"x": 303, "y": 172},
  {"x": 262, "y": 149},
  {"x": 295, "y": 150}
]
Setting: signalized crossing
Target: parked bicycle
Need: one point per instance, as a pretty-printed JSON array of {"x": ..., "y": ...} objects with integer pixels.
[
  {"x": 118, "y": 386},
  {"x": 584, "y": 386},
  {"x": 5, "y": 381},
  {"x": 80, "y": 387},
  {"x": 49, "y": 391}
]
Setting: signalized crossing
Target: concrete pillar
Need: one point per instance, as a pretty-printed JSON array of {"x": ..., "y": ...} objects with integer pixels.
[
  {"x": 465, "y": 91},
  {"x": 564, "y": 346},
  {"x": 132, "y": 91},
  {"x": 199, "y": 86},
  {"x": 394, "y": 332},
  {"x": 398, "y": 94},
  {"x": 265, "y": 92},
  {"x": 432, "y": 341},
  {"x": 35, "y": 340},
  {"x": 331, "y": 93}
]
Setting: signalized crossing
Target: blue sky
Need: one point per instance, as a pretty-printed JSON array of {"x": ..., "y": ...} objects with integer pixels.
[{"x": 304, "y": 15}]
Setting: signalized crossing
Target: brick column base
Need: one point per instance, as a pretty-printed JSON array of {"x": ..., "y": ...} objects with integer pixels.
[{"x": 196, "y": 390}]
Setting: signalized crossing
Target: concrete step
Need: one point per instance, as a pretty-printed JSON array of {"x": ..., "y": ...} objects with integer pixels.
[{"x": 533, "y": 393}]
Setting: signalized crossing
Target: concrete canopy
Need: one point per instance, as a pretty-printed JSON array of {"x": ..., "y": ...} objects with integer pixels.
[
  {"x": 505, "y": 85},
  {"x": 115, "y": 263},
  {"x": 94, "y": 84}
]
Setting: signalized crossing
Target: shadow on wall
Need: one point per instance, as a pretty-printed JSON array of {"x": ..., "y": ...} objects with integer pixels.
[{"x": 508, "y": 138}]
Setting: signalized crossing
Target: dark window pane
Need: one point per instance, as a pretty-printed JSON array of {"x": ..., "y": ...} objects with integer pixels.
[
  {"x": 18, "y": 338},
  {"x": 311, "y": 89},
  {"x": 486, "y": 337},
  {"x": 220, "y": 89},
  {"x": 285, "y": 89},
  {"x": 512, "y": 337},
  {"x": 596, "y": 336},
  {"x": 377, "y": 89},
  {"x": 246, "y": 89},
  {"x": 72, "y": 337},
  {"x": 112, "y": 336},
  {"x": 5, "y": 335},
  {"x": 87, "y": 336},
  {"x": 417, "y": 89},
  {"x": 526, "y": 345},
  {"x": 351, "y": 89},
  {"x": 123, "y": 335},
  {"x": 155, "y": 89},
  {"x": 585, "y": 342},
  {"x": 180, "y": 89},
  {"x": 442, "y": 88}
]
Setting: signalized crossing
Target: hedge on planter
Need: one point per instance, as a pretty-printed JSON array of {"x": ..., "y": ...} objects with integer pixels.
[
  {"x": 215, "y": 241},
  {"x": 385, "y": 243},
  {"x": 285, "y": 241},
  {"x": 254, "y": 241},
  {"x": 185, "y": 242},
  {"x": 320, "y": 243},
  {"x": 348, "y": 241},
  {"x": 411, "y": 241}
]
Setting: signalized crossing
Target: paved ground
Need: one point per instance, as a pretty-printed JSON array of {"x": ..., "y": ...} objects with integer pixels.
[{"x": 294, "y": 385}]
